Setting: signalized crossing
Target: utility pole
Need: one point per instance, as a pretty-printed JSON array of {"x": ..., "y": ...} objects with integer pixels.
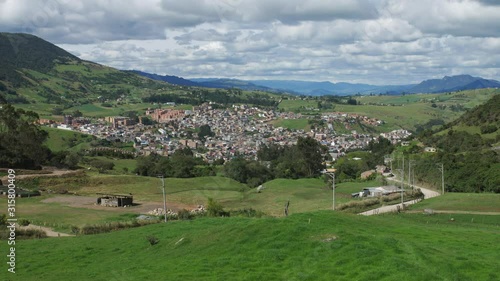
[
  {"x": 331, "y": 173},
  {"x": 164, "y": 196},
  {"x": 401, "y": 172},
  {"x": 411, "y": 176},
  {"x": 441, "y": 168}
]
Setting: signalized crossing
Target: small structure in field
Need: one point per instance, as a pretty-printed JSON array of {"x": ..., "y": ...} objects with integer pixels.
[
  {"x": 114, "y": 200},
  {"x": 377, "y": 191}
]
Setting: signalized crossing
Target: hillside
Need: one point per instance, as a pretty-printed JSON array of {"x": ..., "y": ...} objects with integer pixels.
[
  {"x": 485, "y": 114},
  {"x": 167, "y": 78},
  {"x": 309, "y": 246},
  {"x": 24, "y": 51},
  {"x": 467, "y": 148},
  {"x": 35, "y": 71},
  {"x": 453, "y": 83}
]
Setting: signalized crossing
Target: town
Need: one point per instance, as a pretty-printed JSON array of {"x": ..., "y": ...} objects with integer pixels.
[{"x": 238, "y": 130}]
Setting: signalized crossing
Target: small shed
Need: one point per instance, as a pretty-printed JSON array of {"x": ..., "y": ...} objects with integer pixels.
[
  {"x": 377, "y": 191},
  {"x": 114, "y": 200}
]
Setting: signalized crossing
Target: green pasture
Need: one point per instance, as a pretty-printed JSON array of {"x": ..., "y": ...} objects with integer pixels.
[
  {"x": 293, "y": 124},
  {"x": 58, "y": 139},
  {"x": 321, "y": 245},
  {"x": 305, "y": 195},
  {"x": 58, "y": 215},
  {"x": 467, "y": 202}
]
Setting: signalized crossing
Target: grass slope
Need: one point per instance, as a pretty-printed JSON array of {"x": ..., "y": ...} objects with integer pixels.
[
  {"x": 403, "y": 111},
  {"x": 309, "y": 246},
  {"x": 472, "y": 202},
  {"x": 58, "y": 140},
  {"x": 305, "y": 195}
]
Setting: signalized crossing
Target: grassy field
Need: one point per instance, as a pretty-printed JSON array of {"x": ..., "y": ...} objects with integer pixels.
[
  {"x": 472, "y": 202},
  {"x": 61, "y": 216},
  {"x": 403, "y": 111},
  {"x": 294, "y": 124},
  {"x": 309, "y": 246},
  {"x": 59, "y": 140},
  {"x": 305, "y": 195}
]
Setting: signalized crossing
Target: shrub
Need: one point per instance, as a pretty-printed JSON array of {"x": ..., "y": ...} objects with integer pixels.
[
  {"x": 30, "y": 233},
  {"x": 215, "y": 209},
  {"x": 75, "y": 229},
  {"x": 152, "y": 240},
  {"x": 24, "y": 222},
  {"x": 184, "y": 215},
  {"x": 247, "y": 212},
  {"x": 488, "y": 129}
]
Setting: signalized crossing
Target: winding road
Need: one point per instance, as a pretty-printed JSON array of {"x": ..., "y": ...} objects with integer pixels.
[{"x": 394, "y": 208}]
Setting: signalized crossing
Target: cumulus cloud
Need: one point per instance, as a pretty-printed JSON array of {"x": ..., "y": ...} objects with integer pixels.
[{"x": 374, "y": 41}]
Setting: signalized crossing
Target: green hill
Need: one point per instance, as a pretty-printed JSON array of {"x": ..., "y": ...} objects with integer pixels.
[
  {"x": 467, "y": 148},
  {"x": 482, "y": 120},
  {"x": 36, "y": 71},
  {"x": 309, "y": 246}
]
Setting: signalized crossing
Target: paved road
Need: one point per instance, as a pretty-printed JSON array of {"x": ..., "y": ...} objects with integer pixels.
[
  {"x": 394, "y": 208},
  {"x": 427, "y": 192}
]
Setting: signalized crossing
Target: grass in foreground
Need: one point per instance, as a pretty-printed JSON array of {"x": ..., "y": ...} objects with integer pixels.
[{"x": 309, "y": 246}]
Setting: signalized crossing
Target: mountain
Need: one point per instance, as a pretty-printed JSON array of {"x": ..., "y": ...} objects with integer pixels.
[
  {"x": 223, "y": 83},
  {"x": 33, "y": 70},
  {"x": 453, "y": 83},
  {"x": 24, "y": 51},
  {"x": 167, "y": 78},
  {"x": 328, "y": 88}
]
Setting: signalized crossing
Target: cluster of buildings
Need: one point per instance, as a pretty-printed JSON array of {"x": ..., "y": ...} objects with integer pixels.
[{"x": 238, "y": 130}]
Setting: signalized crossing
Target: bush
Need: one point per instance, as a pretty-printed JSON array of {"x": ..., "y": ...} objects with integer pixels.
[
  {"x": 215, "y": 209},
  {"x": 108, "y": 227},
  {"x": 24, "y": 222},
  {"x": 250, "y": 213},
  {"x": 152, "y": 240},
  {"x": 102, "y": 165},
  {"x": 488, "y": 129},
  {"x": 184, "y": 215},
  {"x": 30, "y": 233}
]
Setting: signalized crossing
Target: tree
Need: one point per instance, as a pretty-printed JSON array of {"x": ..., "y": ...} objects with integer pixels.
[
  {"x": 21, "y": 139},
  {"x": 352, "y": 101},
  {"x": 312, "y": 159},
  {"x": 77, "y": 113},
  {"x": 236, "y": 169},
  {"x": 57, "y": 111},
  {"x": 379, "y": 148},
  {"x": 205, "y": 131}
]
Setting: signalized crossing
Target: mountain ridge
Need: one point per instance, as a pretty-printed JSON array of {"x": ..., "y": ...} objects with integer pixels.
[{"x": 313, "y": 88}]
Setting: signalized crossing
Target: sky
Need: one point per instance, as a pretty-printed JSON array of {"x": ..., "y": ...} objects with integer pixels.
[{"x": 358, "y": 41}]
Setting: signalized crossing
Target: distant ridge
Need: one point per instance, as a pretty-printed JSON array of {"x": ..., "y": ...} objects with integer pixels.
[
  {"x": 453, "y": 83},
  {"x": 167, "y": 78},
  {"x": 312, "y": 88}
]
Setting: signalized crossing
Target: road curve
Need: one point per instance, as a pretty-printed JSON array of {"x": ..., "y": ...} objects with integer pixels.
[{"x": 394, "y": 208}]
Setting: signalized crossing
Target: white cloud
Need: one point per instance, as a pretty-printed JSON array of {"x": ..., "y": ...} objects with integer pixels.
[{"x": 386, "y": 41}]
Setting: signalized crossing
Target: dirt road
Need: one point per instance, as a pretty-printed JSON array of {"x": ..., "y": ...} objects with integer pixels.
[
  {"x": 47, "y": 230},
  {"x": 54, "y": 173}
]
